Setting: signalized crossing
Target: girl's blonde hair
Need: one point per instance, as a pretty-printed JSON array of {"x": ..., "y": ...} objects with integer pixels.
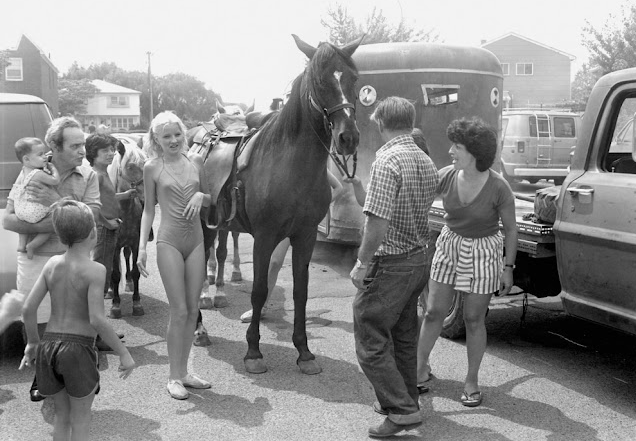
[{"x": 150, "y": 141}]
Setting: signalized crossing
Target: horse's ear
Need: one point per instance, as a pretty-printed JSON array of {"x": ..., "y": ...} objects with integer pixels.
[
  {"x": 219, "y": 107},
  {"x": 121, "y": 148},
  {"x": 305, "y": 48},
  {"x": 251, "y": 108},
  {"x": 350, "y": 48}
]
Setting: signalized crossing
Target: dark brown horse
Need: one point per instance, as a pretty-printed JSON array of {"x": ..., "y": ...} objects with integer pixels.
[
  {"x": 284, "y": 191},
  {"x": 129, "y": 175}
]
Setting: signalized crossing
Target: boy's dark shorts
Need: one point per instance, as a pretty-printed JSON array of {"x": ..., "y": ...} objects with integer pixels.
[{"x": 67, "y": 361}]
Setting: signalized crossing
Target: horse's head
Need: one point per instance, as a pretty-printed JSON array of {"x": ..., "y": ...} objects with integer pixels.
[
  {"x": 131, "y": 168},
  {"x": 330, "y": 82}
]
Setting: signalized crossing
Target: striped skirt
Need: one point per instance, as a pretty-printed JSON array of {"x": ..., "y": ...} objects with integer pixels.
[{"x": 471, "y": 265}]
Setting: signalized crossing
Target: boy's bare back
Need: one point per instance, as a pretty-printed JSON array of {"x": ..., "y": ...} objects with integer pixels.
[{"x": 76, "y": 286}]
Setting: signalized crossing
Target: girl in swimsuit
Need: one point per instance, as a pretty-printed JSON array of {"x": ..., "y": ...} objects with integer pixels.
[{"x": 174, "y": 181}]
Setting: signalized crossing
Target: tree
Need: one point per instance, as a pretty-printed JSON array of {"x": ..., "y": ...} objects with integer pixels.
[
  {"x": 343, "y": 28},
  {"x": 74, "y": 94},
  {"x": 614, "y": 46}
]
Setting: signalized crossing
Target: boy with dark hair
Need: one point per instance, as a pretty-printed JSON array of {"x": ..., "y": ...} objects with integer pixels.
[
  {"x": 66, "y": 358},
  {"x": 100, "y": 151}
]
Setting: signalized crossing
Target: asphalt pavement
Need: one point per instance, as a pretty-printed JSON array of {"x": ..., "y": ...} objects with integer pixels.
[{"x": 552, "y": 379}]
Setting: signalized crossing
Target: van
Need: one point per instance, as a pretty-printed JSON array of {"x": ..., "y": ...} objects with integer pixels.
[
  {"x": 20, "y": 116},
  {"x": 537, "y": 144}
]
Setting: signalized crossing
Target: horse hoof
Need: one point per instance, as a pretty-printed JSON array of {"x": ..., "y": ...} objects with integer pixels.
[
  {"x": 202, "y": 340},
  {"x": 129, "y": 286},
  {"x": 219, "y": 283},
  {"x": 138, "y": 310},
  {"x": 205, "y": 303},
  {"x": 237, "y": 276},
  {"x": 309, "y": 367},
  {"x": 115, "y": 313},
  {"x": 220, "y": 302},
  {"x": 255, "y": 366}
]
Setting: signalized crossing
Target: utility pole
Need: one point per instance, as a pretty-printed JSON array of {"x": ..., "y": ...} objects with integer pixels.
[{"x": 152, "y": 113}]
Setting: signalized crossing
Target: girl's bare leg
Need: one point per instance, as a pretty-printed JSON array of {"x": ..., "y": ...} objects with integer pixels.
[
  {"x": 440, "y": 298},
  {"x": 475, "y": 307},
  {"x": 62, "y": 422},
  {"x": 194, "y": 272},
  {"x": 81, "y": 417}
]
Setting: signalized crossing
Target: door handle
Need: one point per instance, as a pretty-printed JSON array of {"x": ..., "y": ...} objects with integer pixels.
[{"x": 580, "y": 191}]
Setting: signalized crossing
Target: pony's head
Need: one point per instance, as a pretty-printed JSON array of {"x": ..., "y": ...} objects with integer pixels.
[
  {"x": 131, "y": 169},
  {"x": 330, "y": 84}
]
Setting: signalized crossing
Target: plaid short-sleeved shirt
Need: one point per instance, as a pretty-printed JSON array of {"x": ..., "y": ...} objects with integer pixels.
[{"x": 401, "y": 189}]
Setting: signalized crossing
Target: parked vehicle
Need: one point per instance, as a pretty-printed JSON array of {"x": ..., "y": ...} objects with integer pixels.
[
  {"x": 537, "y": 143},
  {"x": 20, "y": 116},
  {"x": 444, "y": 82},
  {"x": 588, "y": 256}
]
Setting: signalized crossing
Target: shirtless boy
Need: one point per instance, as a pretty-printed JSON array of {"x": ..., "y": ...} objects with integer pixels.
[{"x": 66, "y": 358}]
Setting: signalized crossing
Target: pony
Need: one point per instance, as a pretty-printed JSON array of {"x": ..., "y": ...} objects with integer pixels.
[
  {"x": 284, "y": 191},
  {"x": 127, "y": 173}
]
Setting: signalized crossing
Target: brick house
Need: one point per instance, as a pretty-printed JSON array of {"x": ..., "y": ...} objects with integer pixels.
[
  {"x": 114, "y": 106},
  {"x": 31, "y": 72},
  {"x": 535, "y": 74}
]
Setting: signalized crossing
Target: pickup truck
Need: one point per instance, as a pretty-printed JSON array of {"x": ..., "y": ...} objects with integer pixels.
[{"x": 588, "y": 255}]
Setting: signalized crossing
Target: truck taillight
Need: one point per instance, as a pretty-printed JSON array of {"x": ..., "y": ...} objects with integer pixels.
[{"x": 521, "y": 146}]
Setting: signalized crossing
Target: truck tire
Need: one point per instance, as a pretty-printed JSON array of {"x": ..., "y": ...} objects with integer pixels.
[{"x": 454, "y": 326}]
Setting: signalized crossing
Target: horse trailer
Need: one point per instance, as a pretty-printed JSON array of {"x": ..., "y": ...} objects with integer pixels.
[{"x": 443, "y": 82}]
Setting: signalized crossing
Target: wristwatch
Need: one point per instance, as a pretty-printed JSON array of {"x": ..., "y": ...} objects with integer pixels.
[{"x": 359, "y": 265}]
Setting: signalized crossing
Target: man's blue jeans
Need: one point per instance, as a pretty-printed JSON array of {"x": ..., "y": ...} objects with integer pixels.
[
  {"x": 104, "y": 251},
  {"x": 385, "y": 330}
]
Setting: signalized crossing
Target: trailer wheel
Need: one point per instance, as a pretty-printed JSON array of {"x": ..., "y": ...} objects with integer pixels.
[{"x": 454, "y": 326}]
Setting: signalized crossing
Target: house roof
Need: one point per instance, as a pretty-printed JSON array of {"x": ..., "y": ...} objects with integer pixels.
[
  {"x": 106, "y": 87},
  {"x": 42, "y": 54},
  {"x": 514, "y": 34}
]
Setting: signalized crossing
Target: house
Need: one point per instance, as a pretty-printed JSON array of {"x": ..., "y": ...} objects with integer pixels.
[
  {"x": 31, "y": 72},
  {"x": 535, "y": 75},
  {"x": 114, "y": 106}
]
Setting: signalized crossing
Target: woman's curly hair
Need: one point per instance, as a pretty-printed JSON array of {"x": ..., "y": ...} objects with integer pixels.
[{"x": 478, "y": 137}]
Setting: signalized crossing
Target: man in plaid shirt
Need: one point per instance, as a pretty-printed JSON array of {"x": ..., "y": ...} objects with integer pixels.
[{"x": 391, "y": 270}]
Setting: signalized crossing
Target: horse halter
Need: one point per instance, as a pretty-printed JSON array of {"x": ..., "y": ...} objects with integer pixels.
[{"x": 328, "y": 125}]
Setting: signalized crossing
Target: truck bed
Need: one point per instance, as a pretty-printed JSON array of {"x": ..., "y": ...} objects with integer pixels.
[{"x": 535, "y": 239}]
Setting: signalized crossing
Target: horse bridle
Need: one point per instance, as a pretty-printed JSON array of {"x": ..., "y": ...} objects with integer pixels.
[
  {"x": 133, "y": 184},
  {"x": 328, "y": 125}
]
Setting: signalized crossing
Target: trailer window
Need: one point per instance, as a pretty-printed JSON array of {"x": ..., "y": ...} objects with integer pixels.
[{"x": 439, "y": 94}]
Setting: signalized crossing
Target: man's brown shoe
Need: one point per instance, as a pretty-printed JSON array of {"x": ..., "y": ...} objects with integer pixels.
[{"x": 389, "y": 428}]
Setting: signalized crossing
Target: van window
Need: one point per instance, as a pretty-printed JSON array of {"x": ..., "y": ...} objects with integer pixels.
[
  {"x": 564, "y": 127},
  {"x": 542, "y": 129}
]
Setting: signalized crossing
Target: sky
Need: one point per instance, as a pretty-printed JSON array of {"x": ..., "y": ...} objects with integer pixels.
[{"x": 243, "y": 49}]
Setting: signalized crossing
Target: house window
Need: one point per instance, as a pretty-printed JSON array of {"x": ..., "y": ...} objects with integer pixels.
[
  {"x": 13, "y": 71},
  {"x": 122, "y": 123},
  {"x": 505, "y": 68},
  {"x": 525, "y": 69},
  {"x": 118, "y": 101}
]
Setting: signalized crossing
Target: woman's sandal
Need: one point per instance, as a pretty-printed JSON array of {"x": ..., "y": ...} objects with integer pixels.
[
  {"x": 472, "y": 400},
  {"x": 423, "y": 388}
]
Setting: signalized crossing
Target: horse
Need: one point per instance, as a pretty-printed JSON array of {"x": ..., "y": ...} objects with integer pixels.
[
  {"x": 129, "y": 174},
  {"x": 284, "y": 191}
]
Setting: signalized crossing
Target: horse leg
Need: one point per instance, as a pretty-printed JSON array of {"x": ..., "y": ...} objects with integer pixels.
[
  {"x": 137, "y": 308},
  {"x": 205, "y": 301},
  {"x": 263, "y": 247},
  {"x": 236, "y": 261},
  {"x": 200, "y": 333},
  {"x": 302, "y": 249},
  {"x": 220, "y": 299},
  {"x": 115, "y": 309},
  {"x": 129, "y": 276}
]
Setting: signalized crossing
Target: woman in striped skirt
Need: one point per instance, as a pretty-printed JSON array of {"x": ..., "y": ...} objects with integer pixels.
[{"x": 469, "y": 255}]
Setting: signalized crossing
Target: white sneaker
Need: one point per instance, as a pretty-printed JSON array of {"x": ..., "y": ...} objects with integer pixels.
[
  {"x": 177, "y": 391},
  {"x": 195, "y": 382},
  {"x": 247, "y": 315}
]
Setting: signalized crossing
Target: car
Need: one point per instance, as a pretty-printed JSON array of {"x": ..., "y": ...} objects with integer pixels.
[
  {"x": 20, "y": 116},
  {"x": 129, "y": 138},
  {"x": 537, "y": 143}
]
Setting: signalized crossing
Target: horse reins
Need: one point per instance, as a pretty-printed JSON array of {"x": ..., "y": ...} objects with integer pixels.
[{"x": 328, "y": 125}]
